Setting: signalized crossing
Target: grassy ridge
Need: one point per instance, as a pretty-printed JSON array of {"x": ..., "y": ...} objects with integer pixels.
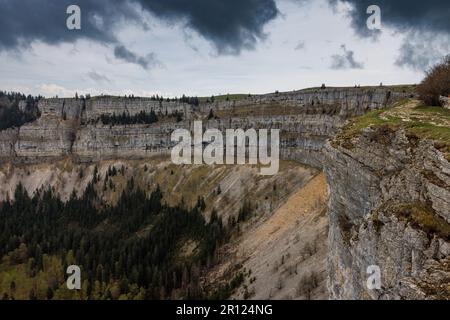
[{"x": 424, "y": 122}]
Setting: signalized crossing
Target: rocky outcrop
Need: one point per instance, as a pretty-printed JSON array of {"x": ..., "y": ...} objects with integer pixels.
[
  {"x": 445, "y": 102},
  {"x": 390, "y": 207}
]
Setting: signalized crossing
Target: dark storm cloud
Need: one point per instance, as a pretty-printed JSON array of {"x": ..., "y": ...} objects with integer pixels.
[
  {"x": 231, "y": 25},
  {"x": 404, "y": 15},
  {"x": 426, "y": 24},
  {"x": 25, "y": 21},
  {"x": 420, "y": 55},
  {"x": 413, "y": 55},
  {"x": 346, "y": 60},
  {"x": 147, "y": 62}
]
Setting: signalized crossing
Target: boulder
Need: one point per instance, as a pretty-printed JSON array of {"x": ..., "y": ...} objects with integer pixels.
[{"x": 445, "y": 102}]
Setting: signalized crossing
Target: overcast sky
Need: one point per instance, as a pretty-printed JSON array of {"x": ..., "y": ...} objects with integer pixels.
[{"x": 205, "y": 47}]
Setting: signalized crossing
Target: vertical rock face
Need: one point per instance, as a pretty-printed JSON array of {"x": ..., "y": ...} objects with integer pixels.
[
  {"x": 7, "y": 141},
  {"x": 389, "y": 192},
  {"x": 352, "y": 100},
  {"x": 73, "y": 127},
  {"x": 61, "y": 108},
  {"x": 98, "y": 106},
  {"x": 390, "y": 207}
]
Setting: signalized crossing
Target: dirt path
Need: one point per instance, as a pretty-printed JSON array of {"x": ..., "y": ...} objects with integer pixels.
[{"x": 408, "y": 112}]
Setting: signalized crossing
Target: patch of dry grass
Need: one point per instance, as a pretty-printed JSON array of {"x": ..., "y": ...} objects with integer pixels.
[
  {"x": 424, "y": 218},
  {"x": 423, "y": 122}
]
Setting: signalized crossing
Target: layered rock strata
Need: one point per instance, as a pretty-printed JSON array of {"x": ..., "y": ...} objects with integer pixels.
[
  {"x": 389, "y": 207},
  {"x": 73, "y": 127}
]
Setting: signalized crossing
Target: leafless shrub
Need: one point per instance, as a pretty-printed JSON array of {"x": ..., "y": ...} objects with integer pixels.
[
  {"x": 280, "y": 284},
  {"x": 248, "y": 293},
  {"x": 307, "y": 284},
  {"x": 317, "y": 204},
  {"x": 436, "y": 83},
  {"x": 291, "y": 269},
  {"x": 310, "y": 248},
  {"x": 275, "y": 267}
]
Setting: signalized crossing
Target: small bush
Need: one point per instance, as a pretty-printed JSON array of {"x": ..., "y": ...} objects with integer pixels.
[
  {"x": 308, "y": 283},
  {"x": 310, "y": 248},
  {"x": 280, "y": 284},
  {"x": 436, "y": 83}
]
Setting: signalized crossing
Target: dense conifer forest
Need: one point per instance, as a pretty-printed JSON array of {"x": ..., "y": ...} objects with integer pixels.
[
  {"x": 10, "y": 113},
  {"x": 132, "y": 250},
  {"x": 125, "y": 119}
]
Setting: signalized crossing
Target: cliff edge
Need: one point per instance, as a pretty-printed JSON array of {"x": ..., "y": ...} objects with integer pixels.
[{"x": 389, "y": 176}]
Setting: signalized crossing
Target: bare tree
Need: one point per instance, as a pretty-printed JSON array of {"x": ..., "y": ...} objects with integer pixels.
[{"x": 436, "y": 83}]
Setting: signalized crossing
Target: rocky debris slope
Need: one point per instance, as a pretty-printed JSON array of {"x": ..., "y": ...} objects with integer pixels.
[{"x": 286, "y": 252}]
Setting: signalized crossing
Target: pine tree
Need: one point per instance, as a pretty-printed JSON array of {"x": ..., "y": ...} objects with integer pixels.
[{"x": 211, "y": 114}]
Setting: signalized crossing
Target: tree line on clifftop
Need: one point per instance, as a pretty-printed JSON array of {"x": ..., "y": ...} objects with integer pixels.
[{"x": 13, "y": 116}]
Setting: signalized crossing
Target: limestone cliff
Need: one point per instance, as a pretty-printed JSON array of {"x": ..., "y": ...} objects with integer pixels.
[
  {"x": 388, "y": 175},
  {"x": 390, "y": 207},
  {"x": 73, "y": 127}
]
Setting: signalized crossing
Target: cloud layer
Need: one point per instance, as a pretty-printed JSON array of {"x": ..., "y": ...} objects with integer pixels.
[
  {"x": 404, "y": 15},
  {"x": 231, "y": 25},
  {"x": 45, "y": 20},
  {"x": 420, "y": 51},
  {"x": 425, "y": 23},
  {"x": 147, "y": 62},
  {"x": 346, "y": 60}
]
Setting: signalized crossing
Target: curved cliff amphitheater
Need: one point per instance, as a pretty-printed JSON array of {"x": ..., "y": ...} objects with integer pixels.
[
  {"x": 387, "y": 180},
  {"x": 73, "y": 127}
]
